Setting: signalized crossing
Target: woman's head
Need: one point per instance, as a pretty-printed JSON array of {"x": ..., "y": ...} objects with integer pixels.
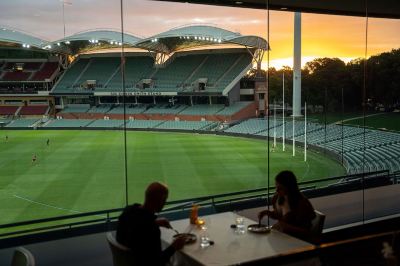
[{"x": 286, "y": 184}]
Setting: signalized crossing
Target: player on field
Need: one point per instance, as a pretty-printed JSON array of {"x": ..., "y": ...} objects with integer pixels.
[
  {"x": 48, "y": 142},
  {"x": 34, "y": 158}
]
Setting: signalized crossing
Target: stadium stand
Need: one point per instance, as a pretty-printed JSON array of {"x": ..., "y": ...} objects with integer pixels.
[
  {"x": 28, "y": 71},
  {"x": 22, "y": 123},
  {"x": 46, "y": 72},
  {"x": 136, "y": 68},
  {"x": 67, "y": 80},
  {"x": 376, "y": 150},
  {"x": 251, "y": 126},
  {"x": 202, "y": 109},
  {"x": 185, "y": 125},
  {"x": 172, "y": 77},
  {"x": 76, "y": 108},
  {"x": 73, "y": 123},
  {"x": 130, "y": 109},
  {"x": 33, "y": 110},
  {"x": 180, "y": 73},
  {"x": 8, "y": 110},
  {"x": 16, "y": 76},
  {"x": 99, "y": 69},
  {"x": 107, "y": 123},
  {"x": 100, "y": 109},
  {"x": 143, "y": 123},
  {"x": 166, "y": 109},
  {"x": 233, "y": 108}
]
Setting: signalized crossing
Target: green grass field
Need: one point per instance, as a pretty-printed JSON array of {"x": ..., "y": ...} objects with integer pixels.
[
  {"x": 381, "y": 120},
  {"x": 83, "y": 171}
]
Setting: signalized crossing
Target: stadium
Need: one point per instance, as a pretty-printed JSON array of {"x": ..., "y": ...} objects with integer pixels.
[
  {"x": 88, "y": 120},
  {"x": 198, "y": 89}
]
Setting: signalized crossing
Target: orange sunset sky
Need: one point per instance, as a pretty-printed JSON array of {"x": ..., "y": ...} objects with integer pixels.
[{"x": 322, "y": 35}]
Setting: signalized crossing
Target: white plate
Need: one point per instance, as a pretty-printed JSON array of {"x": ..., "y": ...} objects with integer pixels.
[{"x": 259, "y": 228}]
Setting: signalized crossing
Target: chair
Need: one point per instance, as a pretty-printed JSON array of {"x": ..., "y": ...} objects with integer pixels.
[
  {"x": 317, "y": 225},
  {"x": 121, "y": 255},
  {"x": 22, "y": 257}
]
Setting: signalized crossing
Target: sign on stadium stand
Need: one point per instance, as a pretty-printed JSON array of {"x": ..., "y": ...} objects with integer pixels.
[{"x": 136, "y": 93}]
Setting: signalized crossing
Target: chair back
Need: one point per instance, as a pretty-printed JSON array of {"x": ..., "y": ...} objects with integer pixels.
[
  {"x": 22, "y": 257},
  {"x": 317, "y": 225},
  {"x": 121, "y": 255}
]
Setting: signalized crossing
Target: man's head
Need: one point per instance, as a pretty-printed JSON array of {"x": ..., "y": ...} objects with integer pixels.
[{"x": 155, "y": 197}]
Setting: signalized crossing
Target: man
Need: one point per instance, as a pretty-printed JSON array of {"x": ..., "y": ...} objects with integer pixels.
[
  {"x": 48, "y": 142},
  {"x": 34, "y": 158},
  {"x": 138, "y": 228}
]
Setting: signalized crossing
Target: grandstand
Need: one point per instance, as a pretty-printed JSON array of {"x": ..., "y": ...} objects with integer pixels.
[
  {"x": 181, "y": 74},
  {"x": 362, "y": 149}
]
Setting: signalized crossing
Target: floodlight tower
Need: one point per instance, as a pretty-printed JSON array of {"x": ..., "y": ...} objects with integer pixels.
[{"x": 297, "y": 65}]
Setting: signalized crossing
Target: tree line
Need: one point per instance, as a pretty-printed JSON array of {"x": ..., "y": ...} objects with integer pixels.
[{"x": 337, "y": 85}]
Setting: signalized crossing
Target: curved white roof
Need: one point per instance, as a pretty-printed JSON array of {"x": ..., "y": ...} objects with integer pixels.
[
  {"x": 106, "y": 35},
  {"x": 198, "y": 35},
  {"x": 165, "y": 42},
  {"x": 18, "y": 37}
]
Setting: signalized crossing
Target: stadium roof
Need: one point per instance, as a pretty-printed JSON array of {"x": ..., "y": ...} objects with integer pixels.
[
  {"x": 92, "y": 39},
  {"x": 198, "y": 35},
  {"x": 165, "y": 42},
  {"x": 15, "y": 38},
  {"x": 102, "y": 35}
]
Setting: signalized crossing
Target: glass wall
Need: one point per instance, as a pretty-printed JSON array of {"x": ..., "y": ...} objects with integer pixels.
[
  {"x": 189, "y": 95},
  {"x": 49, "y": 166},
  {"x": 381, "y": 118}
]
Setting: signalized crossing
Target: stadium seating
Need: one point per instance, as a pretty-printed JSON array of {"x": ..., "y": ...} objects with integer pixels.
[
  {"x": 100, "y": 109},
  {"x": 107, "y": 123},
  {"x": 33, "y": 110},
  {"x": 31, "y": 71},
  {"x": 172, "y": 77},
  {"x": 99, "y": 69},
  {"x": 22, "y": 123},
  {"x": 8, "y": 110},
  {"x": 234, "y": 108},
  {"x": 143, "y": 123},
  {"x": 202, "y": 109},
  {"x": 16, "y": 76},
  {"x": 136, "y": 68},
  {"x": 363, "y": 150},
  {"x": 76, "y": 108},
  {"x": 73, "y": 123},
  {"x": 129, "y": 109},
  {"x": 46, "y": 72},
  {"x": 165, "y": 109},
  {"x": 179, "y": 74},
  {"x": 185, "y": 125},
  {"x": 68, "y": 79}
]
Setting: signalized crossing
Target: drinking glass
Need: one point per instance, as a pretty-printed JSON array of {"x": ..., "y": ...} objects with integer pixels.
[
  {"x": 204, "y": 238},
  {"x": 240, "y": 228}
]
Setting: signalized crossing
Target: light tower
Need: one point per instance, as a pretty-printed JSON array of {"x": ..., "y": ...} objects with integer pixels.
[{"x": 297, "y": 65}]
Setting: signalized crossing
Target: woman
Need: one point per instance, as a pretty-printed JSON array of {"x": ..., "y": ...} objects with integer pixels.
[{"x": 292, "y": 209}]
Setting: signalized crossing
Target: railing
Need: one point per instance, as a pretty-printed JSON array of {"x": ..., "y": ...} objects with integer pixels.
[{"x": 212, "y": 203}]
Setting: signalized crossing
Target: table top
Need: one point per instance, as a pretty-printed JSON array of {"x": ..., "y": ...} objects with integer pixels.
[{"x": 230, "y": 247}]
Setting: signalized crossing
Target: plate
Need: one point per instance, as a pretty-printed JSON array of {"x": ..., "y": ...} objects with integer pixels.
[
  {"x": 190, "y": 238},
  {"x": 259, "y": 228}
]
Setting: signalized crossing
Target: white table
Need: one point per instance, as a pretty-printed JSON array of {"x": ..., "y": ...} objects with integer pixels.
[{"x": 231, "y": 248}]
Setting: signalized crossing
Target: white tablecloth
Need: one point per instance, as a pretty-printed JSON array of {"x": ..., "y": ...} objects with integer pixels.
[{"x": 229, "y": 247}]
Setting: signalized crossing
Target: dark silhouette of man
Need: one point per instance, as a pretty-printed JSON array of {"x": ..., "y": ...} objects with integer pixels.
[{"x": 138, "y": 229}]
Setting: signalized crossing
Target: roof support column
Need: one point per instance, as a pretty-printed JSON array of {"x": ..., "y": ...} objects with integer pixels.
[{"x": 297, "y": 65}]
